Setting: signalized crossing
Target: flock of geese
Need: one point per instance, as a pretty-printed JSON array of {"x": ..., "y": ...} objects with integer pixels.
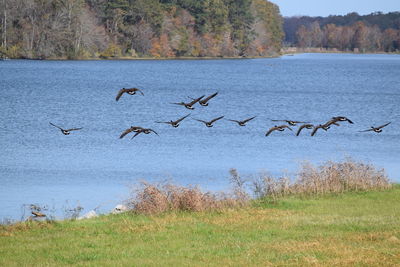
[{"x": 203, "y": 101}]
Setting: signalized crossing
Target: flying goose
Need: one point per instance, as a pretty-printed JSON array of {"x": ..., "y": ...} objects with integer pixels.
[
  {"x": 341, "y": 118},
  {"x": 376, "y": 129},
  {"x": 332, "y": 121},
  {"x": 65, "y": 131},
  {"x": 131, "y": 129},
  {"x": 325, "y": 127},
  {"x": 291, "y": 123},
  {"x": 145, "y": 131},
  {"x": 280, "y": 128},
  {"x": 190, "y": 104},
  {"x": 307, "y": 126},
  {"x": 204, "y": 102},
  {"x": 129, "y": 91},
  {"x": 209, "y": 123},
  {"x": 243, "y": 123},
  {"x": 174, "y": 123}
]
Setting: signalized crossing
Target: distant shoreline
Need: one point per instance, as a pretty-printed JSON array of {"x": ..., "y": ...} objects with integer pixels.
[
  {"x": 147, "y": 58},
  {"x": 284, "y": 52}
]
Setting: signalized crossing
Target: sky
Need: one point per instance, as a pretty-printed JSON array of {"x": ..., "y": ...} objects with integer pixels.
[{"x": 335, "y": 7}]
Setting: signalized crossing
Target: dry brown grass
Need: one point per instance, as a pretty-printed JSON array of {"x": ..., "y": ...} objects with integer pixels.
[
  {"x": 159, "y": 198},
  {"x": 330, "y": 177}
]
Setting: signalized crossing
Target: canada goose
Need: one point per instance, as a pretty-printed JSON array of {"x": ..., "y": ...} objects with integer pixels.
[
  {"x": 209, "y": 123},
  {"x": 243, "y": 123},
  {"x": 174, "y": 123},
  {"x": 65, "y": 131},
  {"x": 204, "y": 102},
  {"x": 332, "y": 121},
  {"x": 325, "y": 127},
  {"x": 291, "y": 123},
  {"x": 376, "y": 129},
  {"x": 280, "y": 128},
  {"x": 190, "y": 104},
  {"x": 307, "y": 126},
  {"x": 131, "y": 129},
  {"x": 145, "y": 131},
  {"x": 130, "y": 91},
  {"x": 38, "y": 214},
  {"x": 341, "y": 118}
]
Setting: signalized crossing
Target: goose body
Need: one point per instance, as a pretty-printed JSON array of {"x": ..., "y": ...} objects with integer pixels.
[
  {"x": 204, "y": 102},
  {"x": 290, "y": 122},
  {"x": 320, "y": 126},
  {"x": 174, "y": 124},
  {"x": 145, "y": 131},
  {"x": 129, "y": 91},
  {"x": 210, "y": 123},
  {"x": 65, "y": 131},
  {"x": 280, "y": 128},
  {"x": 376, "y": 129},
  {"x": 341, "y": 118},
  {"x": 190, "y": 104},
  {"x": 129, "y": 130},
  {"x": 243, "y": 122},
  {"x": 307, "y": 126}
]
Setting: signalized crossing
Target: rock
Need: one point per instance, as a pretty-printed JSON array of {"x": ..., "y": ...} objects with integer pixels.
[
  {"x": 90, "y": 214},
  {"x": 119, "y": 209}
]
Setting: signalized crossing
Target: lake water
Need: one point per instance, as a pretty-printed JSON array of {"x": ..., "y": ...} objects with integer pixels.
[{"x": 93, "y": 167}]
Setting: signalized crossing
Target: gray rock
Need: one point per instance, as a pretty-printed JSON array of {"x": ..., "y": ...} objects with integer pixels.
[
  {"x": 119, "y": 209},
  {"x": 90, "y": 214}
]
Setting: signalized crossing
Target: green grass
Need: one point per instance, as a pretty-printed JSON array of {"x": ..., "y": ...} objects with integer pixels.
[{"x": 353, "y": 229}]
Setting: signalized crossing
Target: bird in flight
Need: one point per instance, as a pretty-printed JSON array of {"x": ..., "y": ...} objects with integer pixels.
[
  {"x": 291, "y": 123},
  {"x": 190, "y": 104},
  {"x": 325, "y": 127},
  {"x": 204, "y": 102},
  {"x": 307, "y": 126},
  {"x": 145, "y": 131},
  {"x": 341, "y": 118},
  {"x": 243, "y": 122},
  {"x": 65, "y": 131},
  {"x": 174, "y": 124},
  {"x": 376, "y": 129},
  {"x": 129, "y": 91},
  {"x": 129, "y": 130},
  {"x": 280, "y": 128},
  {"x": 209, "y": 123}
]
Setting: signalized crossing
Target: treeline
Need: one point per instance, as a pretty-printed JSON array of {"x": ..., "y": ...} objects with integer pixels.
[
  {"x": 139, "y": 28},
  {"x": 370, "y": 33}
]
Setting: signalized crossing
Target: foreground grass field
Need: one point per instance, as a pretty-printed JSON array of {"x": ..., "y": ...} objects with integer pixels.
[{"x": 353, "y": 229}]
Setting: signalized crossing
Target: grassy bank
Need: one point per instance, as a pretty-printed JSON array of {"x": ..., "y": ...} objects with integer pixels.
[{"x": 350, "y": 229}]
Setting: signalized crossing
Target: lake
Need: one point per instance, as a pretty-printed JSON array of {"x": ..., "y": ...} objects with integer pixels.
[{"x": 94, "y": 168}]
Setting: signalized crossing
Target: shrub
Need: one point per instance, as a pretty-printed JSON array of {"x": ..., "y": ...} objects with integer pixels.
[
  {"x": 159, "y": 198},
  {"x": 330, "y": 177}
]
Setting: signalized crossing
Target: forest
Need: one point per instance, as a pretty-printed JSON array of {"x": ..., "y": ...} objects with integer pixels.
[
  {"x": 79, "y": 29},
  {"x": 376, "y": 32}
]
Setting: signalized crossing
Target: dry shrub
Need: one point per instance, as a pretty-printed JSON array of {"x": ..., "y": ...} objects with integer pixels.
[
  {"x": 273, "y": 187},
  {"x": 337, "y": 177},
  {"x": 330, "y": 177},
  {"x": 150, "y": 200},
  {"x": 239, "y": 187},
  {"x": 159, "y": 198}
]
